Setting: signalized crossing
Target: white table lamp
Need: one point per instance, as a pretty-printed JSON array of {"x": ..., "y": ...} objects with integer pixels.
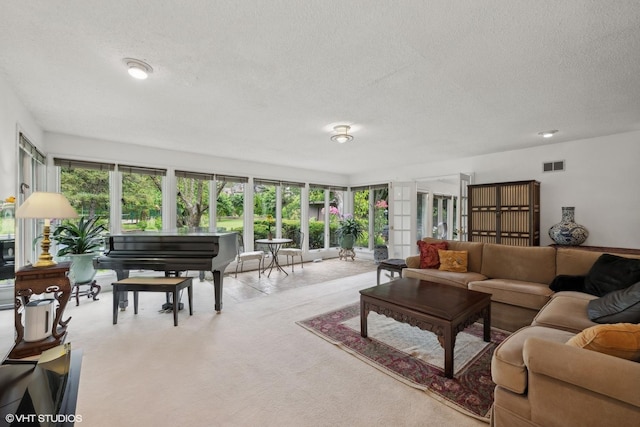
[{"x": 46, "y": 206}]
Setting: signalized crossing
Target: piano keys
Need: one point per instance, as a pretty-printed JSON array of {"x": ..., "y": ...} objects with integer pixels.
[{"x": 172, "y": 253}]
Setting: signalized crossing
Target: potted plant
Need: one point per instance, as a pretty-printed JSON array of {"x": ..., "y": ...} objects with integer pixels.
[
  {"x": 349, "y": 230},
  {"x": 80, "y": 241}
]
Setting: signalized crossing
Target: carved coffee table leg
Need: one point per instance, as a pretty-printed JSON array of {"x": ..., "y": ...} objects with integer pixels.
[
  {"x": 487, "y": 323},
  {"x": 363, "y": 319},
  {"x": 449, "y": 343}
]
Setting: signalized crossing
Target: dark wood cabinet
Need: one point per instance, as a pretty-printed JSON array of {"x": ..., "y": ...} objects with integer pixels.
[{"x": 506, "y": 212}]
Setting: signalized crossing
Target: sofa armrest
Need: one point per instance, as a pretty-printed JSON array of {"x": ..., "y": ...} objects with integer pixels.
[
  {"x": 586, "y": 369},
  {"x": 413, "y": 261}
]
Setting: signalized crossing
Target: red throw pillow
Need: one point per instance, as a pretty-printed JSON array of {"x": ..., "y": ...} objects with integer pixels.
[{"x": 429, "y": 253}]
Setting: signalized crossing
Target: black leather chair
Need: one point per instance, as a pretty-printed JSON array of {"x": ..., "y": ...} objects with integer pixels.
[{"x": 7, "y": 259}]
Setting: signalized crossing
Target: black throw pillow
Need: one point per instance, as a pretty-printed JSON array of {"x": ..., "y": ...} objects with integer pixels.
[
  {"x": 565, "y": 282},
  {"x": 621, "y": 306},
  {"x": 610, "y": 273}
]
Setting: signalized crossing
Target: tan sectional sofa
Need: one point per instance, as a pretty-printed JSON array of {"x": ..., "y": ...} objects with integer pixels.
[
  {"x": 517, "y": 278},
  {"x": 540, "y": 380}
]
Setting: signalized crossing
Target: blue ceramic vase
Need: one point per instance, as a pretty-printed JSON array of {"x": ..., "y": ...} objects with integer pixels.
[{"x": 567, "y": 232}]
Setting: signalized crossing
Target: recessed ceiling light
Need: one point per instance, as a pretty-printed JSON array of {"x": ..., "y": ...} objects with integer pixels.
[
  {"x": 342, "y": 134},
  {"x": 138, "y": 69},
  {"x": 548, "y": 133}
]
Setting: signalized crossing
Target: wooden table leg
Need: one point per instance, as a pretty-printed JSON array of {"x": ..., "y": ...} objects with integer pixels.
[
  {"x": 449, "y": 342},
  {"x": 176, "y": 306},
  {"x": 363, "y": 319},
  {"x": 116, "y": 300},
  {"x": 487, "y": 323}
]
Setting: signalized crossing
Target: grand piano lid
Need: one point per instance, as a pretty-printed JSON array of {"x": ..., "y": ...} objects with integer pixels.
[{"x": 174, "y": 233}]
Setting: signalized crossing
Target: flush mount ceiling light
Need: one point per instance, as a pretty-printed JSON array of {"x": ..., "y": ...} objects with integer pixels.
[
  {"x": 548, "y": 133},
  {"x": 138, "y": 69},
  {"x": 342, "y": 134}
]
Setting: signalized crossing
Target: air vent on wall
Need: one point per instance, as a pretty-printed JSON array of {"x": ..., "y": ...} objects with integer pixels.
[{"x": 556, "y": 166}]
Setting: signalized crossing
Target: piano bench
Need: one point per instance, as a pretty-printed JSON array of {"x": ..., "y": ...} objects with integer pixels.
[{"x": 152, "y": 284}]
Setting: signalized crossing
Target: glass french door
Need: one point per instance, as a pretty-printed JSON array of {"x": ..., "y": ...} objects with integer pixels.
[
  {"x": 403, "y": 231},
  {"x": 31, "y": 177}
]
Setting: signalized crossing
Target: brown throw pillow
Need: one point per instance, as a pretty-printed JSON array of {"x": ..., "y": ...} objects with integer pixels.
[
  {"x": 455, "y": 261},
  {"x": 618, "y": 339},
  {"x": 429, "y": 253}
]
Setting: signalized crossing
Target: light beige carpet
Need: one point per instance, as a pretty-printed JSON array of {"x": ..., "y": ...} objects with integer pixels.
[
  {"x": 415, "y": 357},
  {"x": 249, "y": 366}
]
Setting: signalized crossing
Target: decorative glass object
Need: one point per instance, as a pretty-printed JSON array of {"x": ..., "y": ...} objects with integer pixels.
[{"x": 567, "y": 232}]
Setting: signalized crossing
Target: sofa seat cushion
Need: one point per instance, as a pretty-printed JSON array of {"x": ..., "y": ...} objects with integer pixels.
[
  {"x": 507, "y": 364},
  {"x": 445, "y": 277},
  {"x": 567, "y": 311},
  {"x": 515, "y": 292}
]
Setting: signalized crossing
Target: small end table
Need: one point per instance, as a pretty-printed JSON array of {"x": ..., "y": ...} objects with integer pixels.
[
  {"x": 393, "y": 265},
  {"x": 37, "y": 280}
]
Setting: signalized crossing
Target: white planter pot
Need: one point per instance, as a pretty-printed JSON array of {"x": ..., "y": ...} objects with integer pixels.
[{"x": 81, "y": 270}]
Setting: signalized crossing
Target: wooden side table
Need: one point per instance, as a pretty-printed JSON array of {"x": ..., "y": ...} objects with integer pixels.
[
  {"x": 394, "y": 265},
  {"x": 33, "y": 281}
]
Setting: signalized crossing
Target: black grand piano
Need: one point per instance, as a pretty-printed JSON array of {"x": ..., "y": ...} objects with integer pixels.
[{"x": 172, "y": 253}]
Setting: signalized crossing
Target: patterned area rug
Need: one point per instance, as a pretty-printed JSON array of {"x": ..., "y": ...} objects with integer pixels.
[{"x": 415, "y": 357}]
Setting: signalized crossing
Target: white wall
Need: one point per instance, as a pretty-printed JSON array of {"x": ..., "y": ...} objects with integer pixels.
[
  {"x": 14, "y": 117},
  {"x": 75, "y": 147},
  {"x": 600, "y": 181}
]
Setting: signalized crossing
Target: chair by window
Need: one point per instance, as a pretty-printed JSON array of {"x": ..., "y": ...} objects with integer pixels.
[
  {"x": 248, "y": 256},
  {"x": 294, "y": 250},
  {"x": 7, "y": 260}
]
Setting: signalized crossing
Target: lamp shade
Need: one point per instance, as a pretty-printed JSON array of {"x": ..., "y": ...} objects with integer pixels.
[{"x": 45, "y": 205}]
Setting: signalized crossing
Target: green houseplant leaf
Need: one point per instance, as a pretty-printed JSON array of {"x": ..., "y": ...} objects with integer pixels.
[
  {"x": 83, "y": 237},
  {"x": 349, "y": 225}
]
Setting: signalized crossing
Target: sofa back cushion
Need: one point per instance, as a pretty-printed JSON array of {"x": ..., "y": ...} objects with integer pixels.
[
  {"x": 610, "y": 273},
  {"x": 474, "y": 249},
  {"x": 429, "y": 257},
  {"x": 529, "y": 264},
  {"x": 578, "y": 262}
]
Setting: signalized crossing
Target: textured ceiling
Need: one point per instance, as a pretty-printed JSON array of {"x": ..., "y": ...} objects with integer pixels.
[{"x": 266, "y": 80}]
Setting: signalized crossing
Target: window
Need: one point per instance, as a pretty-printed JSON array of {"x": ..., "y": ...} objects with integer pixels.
[
  {"x": 336, "y": 211},
  {"x": 371, "y": 210},
  {"x": 316, "y": 218},
  {"x": 31, "y": 172},
  {"x": 423, "y": 209},
  {"x": 264, "y": 208},
  {"x": 380, "y": 215},
  {"x": 86, "y": 186},
  {"x": 326, "y": 207},
  {"x": 230, "y": 203},
  {"x": 291, "y": 211},
  {"x": 192, "y": 200},
  {"x": 141, "y": 198}
]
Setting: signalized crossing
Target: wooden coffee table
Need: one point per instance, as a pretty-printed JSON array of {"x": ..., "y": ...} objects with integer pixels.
[{"x": 442, "y": 309}]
